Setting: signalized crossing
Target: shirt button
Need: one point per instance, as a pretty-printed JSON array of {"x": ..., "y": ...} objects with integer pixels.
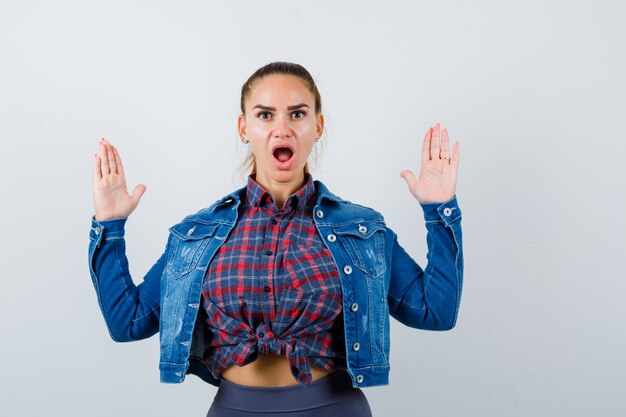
[
  {"x": 359, "y": 378},
  {"x": 347, "y": 269},
  {"x": 269, "y": 252},
  {"x": 267, "y": 289},
  {"x": 274, "y": 221},
  {"x": 447, "y": 211},
  {"x": 356, "y": 346},
  {"x": 354, "y": 307},
  {"x": 320, "y": 213},
  {"x": 261, "y": 335},
  {"x": 331, "y": 237}
]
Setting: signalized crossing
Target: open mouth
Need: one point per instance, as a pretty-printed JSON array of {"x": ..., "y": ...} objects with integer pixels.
[{"x": 283, "y": 154}]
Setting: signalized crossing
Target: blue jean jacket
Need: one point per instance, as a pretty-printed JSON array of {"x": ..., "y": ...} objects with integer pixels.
[{"x": 378, "y": 279}]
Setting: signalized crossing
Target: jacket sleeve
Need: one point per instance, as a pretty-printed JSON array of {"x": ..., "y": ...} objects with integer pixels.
[
  {"x": 131, "y": 312},
  {"x": 429, "y": 299}
]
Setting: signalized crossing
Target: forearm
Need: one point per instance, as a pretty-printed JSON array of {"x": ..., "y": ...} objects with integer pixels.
[
  {"x": 131, "y": 312},
  {"x": 429, "y": 298}
]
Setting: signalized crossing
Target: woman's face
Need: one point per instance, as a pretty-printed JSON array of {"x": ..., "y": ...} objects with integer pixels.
[{"x": 280, "y": 111}]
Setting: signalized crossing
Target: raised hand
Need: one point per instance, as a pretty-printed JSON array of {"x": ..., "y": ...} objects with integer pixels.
[
  {"x": 438, "y": 173},
  {"x": 110, "y": 197}
]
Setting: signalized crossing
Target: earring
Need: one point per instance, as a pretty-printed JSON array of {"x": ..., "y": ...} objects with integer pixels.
[
  {"x": 245, "y": 140},
  {"x": 317, "y": 139}
]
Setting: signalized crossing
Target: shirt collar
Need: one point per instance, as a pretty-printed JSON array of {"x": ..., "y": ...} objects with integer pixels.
[{"x": 258, "y": 196}]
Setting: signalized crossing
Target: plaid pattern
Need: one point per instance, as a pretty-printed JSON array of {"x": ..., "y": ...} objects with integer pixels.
[{"x": 273, "y": 287}]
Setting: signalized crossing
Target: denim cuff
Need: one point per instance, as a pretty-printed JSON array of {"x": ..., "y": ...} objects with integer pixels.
[
  {"x": 112, "y": 228},
  {"x": 447, "y": 211}
]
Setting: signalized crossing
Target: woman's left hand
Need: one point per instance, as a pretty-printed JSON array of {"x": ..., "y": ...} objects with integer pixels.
[{"x": 437, "y": 179}]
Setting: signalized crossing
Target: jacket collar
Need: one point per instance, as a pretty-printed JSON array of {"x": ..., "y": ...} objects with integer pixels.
[
  {"x": 239, "y": 195},
  {"x": 236, "y": 197}
]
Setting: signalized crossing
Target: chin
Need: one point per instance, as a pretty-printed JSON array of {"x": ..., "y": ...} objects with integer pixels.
[{"x": 288, "y": 173}]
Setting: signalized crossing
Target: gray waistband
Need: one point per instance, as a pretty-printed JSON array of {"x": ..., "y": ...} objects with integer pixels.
[{"x": 329, "y": 389}]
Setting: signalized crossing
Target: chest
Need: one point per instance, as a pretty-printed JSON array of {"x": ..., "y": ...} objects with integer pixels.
[{"x": 272, "y": 264}]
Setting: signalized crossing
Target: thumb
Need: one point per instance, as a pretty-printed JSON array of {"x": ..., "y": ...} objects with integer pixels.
[
  {"x": 408, "y": 176},
  {"x": 138, "y": 192}
]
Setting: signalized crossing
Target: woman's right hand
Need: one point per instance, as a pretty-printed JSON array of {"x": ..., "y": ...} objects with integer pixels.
[{"x": 110, "y": 196}]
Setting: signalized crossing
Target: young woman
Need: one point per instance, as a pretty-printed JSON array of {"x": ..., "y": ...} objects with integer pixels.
[{"x": 280, "y": 292}]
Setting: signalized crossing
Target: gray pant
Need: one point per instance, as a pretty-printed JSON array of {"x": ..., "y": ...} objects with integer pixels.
[{"x": 332, "y": 395}]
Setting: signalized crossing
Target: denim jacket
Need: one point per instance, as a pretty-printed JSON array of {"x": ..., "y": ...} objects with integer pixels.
[{"x": 378, "y": 279}]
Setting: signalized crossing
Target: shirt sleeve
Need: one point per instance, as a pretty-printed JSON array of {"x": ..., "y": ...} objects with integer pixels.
[
  {"x": 131, "y": 312},
  {"x": 429, "y": 299}
]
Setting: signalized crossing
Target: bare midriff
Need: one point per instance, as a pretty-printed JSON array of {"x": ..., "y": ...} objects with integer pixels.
[{"x": 267, "y": 370}]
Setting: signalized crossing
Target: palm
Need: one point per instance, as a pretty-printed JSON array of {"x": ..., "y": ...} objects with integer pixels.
[
  {"x": 437, "y": 177},
  {"x": 111, "y": 198},
  {"x": 111, "y": 190}
]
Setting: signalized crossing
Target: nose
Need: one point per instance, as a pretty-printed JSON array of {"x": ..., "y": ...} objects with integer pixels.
[{"x": 282, "y": 128}]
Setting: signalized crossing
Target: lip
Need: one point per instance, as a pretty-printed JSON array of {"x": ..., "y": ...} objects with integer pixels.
[{"x": 288, "y": 163}]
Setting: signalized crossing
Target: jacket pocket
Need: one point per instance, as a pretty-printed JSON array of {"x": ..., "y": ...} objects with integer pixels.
[
  {"x": 365, "y": 244},
  {"x": 188, "y": 242}
]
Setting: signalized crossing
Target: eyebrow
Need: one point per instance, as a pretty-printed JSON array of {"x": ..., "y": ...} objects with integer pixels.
[{"x": 295, "y": 106}]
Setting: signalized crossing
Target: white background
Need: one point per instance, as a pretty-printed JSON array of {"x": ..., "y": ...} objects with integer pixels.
[{"x": 534, "y": 91}]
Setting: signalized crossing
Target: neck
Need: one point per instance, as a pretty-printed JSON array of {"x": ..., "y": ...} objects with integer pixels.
[{"x": 280, "y": 190}]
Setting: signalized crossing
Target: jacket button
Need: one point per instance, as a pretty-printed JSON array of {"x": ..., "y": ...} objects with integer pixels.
[
  {"x": 356, "y": 346},
  {"x": 96, "y": 230},
  {"x": 363, "y": 229},
  {"x": 332, "y": 237},
  {"x": 359, "y": 378},
  {"x": 320, "y": 213},
  {"x": 354, "y": 306},
  {"x": 190, "y": 231},
  {"x": 347, "y": 269},
  {"x": 447, "y": 211}
]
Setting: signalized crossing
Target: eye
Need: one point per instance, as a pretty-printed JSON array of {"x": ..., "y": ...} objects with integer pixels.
[{"x": 260, "y": 114}]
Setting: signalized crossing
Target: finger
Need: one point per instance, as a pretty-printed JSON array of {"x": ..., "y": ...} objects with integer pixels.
[
  {"x": 444, "y": 152},
  {"x": 97, "y": 175},
  {"x": 111, "y": 158},
  {"x": 426, "y": 145},
  {"x": 138, "y": 192},
  {"x": 409, "y": 177},
  {"x": 456, "y": 154},
  {"x": 434, "y": 143},
  {"x": 104, "y": 161},
  {"x": 118, "y": 161}
]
